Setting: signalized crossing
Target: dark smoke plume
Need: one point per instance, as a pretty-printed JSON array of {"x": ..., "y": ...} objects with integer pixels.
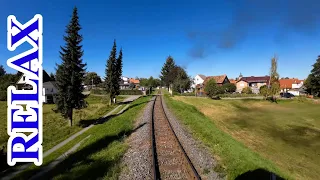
[{"x": 287, "y": 16}]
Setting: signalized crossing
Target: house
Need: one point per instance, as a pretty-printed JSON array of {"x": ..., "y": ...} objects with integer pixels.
[
  {"x": 198, "y": 79},
  {"x": 233, "y": 81},
  {"x": 254, "y": 82},
  {"x": 124, "y": 83},
  {"x": 49, "y": 86},
  {"x": 293, "y": 86},
  {"x": 220, "y": 80},
  {"x": 136, "y": 82}
]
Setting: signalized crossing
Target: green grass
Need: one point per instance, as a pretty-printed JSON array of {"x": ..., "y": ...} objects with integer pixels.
[
  {"x": 233, "y": 156},
  {"x": 55, "y": 127},
  {"x": 249, "y": 134},
  {"x": 99, "y": 155}
]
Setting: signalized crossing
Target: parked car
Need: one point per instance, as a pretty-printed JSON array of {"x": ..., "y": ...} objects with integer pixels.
[{"x": 286, "y": 95}]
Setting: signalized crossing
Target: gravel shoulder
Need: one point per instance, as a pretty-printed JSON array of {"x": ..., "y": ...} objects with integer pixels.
[
  {"x": 137, "y": 162},
  {"x": 200, "y": 156}
]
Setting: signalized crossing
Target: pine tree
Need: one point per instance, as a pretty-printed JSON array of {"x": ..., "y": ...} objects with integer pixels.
[
  {"x": 165, "y": 72},
  {"x": 119, "y": 71},
  {"x": 111, "y": 78},
  {"x": 313, "y": 81},
  {"x": 52, "y": 77},
  {"x": 70, "y": 73},
  {"x": 2, "y": 71}
]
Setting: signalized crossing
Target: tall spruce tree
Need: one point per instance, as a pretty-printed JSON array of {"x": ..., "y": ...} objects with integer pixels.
[
  {"x": 111, "y": 78},
  {"x": 119, "y": 71},
  {"x": 2, "y": 71},
  {"x": 70, "y": 73},
  {"x": 165, "y": 72},
  {"x": 313, "y": 81}
]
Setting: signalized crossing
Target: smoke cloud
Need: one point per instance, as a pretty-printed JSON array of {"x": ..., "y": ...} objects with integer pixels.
[{"x": 286, "y": 16}]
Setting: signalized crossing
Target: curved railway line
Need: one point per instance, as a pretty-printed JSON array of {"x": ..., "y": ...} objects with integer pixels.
[{"x": 170, "y": 160}]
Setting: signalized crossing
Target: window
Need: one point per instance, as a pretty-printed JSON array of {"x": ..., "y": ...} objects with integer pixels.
[{"x": 23, "y": 78}]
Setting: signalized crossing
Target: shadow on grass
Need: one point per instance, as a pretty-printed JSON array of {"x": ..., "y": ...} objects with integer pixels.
[
  {"x": 85, "y": 166},
  {"x": 296, "y": 135},
  {"x": 260, "y": 174},
  {"x": 101, "y": 120}
]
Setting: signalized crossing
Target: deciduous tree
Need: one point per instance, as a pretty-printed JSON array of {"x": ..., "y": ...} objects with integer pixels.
[
  {"x": 92, "y": 78},
  {"x": 70, "y": 73}
]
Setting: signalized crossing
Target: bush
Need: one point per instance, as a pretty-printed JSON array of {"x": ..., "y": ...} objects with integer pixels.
[
  {"x": 264, "y": 90},
  {"x": 131, "y": 92},
  {"x": 229, "y": 87},
  {"x": 212, "y": 89},
  {"x": 246, "y": 90}
]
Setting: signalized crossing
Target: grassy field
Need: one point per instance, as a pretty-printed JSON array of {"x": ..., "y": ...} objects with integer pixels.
[
  {"x": 99, "y": 156},
  {"x": 55, "y": 127},
  {"x": 250, "y": 134}
]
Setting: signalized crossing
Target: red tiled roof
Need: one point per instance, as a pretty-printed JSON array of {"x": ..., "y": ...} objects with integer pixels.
[
  {"x": 232, "y": 81},
  {"x": 255, "y": 79},
  {"x": 287, "y": 83},
  {"x": 218, "y": 79},
  {"x": 134, "y": 81}
]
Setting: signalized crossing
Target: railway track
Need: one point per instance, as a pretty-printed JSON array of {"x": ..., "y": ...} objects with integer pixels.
[{"x": 170, "y": 161}]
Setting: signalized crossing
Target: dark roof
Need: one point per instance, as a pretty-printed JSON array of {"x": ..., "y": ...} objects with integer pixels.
[
  {"x": 255, "y": 79},
  {"x": 45, "y": 77}
]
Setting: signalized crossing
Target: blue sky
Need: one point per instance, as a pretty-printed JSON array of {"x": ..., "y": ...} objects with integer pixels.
[{"x": 206, "y": 37}]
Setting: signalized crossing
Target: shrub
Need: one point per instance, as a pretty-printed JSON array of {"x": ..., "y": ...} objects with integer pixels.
[
  {"x": 212, "y": 89},
  {"x": 264, "y": 90},
  {"x": 246, "y": 90},
  {"x": 229, "y": 87}
]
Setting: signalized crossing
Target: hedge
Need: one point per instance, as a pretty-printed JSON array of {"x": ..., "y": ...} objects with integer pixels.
[{"x": 122, "y": 92}]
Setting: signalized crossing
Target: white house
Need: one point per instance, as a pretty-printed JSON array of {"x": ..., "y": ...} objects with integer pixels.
[
  {"x": 198, "y": 79},
  {"x": 297, "y": 88},
  {"x": 125, "y": 82},
  {"x": 49, "y": 86}
]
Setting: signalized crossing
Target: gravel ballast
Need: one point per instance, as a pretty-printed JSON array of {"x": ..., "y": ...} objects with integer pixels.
[
  {"x": 137, "y": 162},
  {"x": 199, "y": 155}
]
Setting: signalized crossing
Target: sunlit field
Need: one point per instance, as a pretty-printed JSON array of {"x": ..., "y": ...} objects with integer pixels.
[{"x": 287, "y": 133}]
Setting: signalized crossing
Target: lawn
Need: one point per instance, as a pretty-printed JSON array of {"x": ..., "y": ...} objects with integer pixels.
[
  {"x": 55, "y": 127},
  {"x": 250, "y": 134},
  {"x": 98, "y": 157}
]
